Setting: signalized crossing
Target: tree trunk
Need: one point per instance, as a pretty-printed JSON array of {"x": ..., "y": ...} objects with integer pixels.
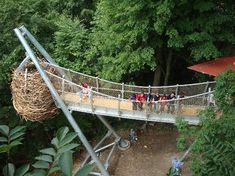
[
  {"x": 168, "y": 67},
  {"x": 157, "y": 76},
  {"x": 159, "y": 69}
]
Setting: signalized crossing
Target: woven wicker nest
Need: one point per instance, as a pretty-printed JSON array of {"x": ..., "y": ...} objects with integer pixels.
[{"x": 31, "y": 97}]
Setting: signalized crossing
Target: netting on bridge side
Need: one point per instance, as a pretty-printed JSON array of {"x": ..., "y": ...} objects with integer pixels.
[
  {"x": 74, "y": 93},
  {"x": 192, "y": 89},
  {"x": 125, "y": 91},
  {"x": 97, "y": 84},
  {"x": 109, "y": 88}
]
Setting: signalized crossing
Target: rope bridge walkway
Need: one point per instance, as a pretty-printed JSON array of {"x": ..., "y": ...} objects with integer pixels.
[{"x": 112, "y": 99}]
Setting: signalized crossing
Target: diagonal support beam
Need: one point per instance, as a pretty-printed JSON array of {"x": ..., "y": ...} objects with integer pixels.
[
  {"x": 40, "y": 48},
  {"x": 123, "y": 144},
  {"x": 24, "y": 62},
  {"x": 61, "y": 103},
  {"x": 37, "y": 45}
]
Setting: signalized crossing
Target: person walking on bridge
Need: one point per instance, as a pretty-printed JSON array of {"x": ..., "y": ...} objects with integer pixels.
[
  {"x": 163, "y": 102},
  {"x": 140, "y": 98}
]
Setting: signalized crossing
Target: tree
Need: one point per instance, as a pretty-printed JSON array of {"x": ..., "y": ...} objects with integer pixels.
[
  {"x": 83, "y": 10},
  {"x": 133, "y": 36},
  {"x": 214, "y": 150},
  {"x": 71, "y": 43}
]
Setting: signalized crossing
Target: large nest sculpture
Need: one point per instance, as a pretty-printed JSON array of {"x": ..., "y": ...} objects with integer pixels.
[{"x": 31, "y": 97}]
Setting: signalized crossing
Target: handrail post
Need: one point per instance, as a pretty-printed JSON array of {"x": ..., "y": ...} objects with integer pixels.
[
  {"x": 209, "y": 97},
  {"x": 207, "y": 85},
  {"x": 97, "y": 84},
  {"x": 123, "y": 90},
  {"x": 177, "y": 90},
  {"x": 70, "y": 78},
  {"x": 149, "y": 90},
  {"x": 147, "y": 109},
  {"x": 62, "y": 86},
  {"x": 119, "y": 104},
  {"x": 205, "y": 90},
  {"x": 91, "y": 99},
  {"x": 178, "y": 104}
]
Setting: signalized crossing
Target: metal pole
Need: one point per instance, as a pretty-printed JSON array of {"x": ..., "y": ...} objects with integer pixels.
[
  {"x": 40, "y": 48},
  {"x": 62, "y": 85},
  {"x": 149, "y": 91},
  {"x": 109, "y": 156},
  {"x": 207, "y": 85},
  {"x": 205, "y": 90},
  {"x": 147, "y": 108},
  {"x": 97, "y": 145},
  {"x": 119, "y": 105},
  {"x": 105, "y": 147},
  {"x": 37, "y": 45},
  {"x": 123, "y": 90},
  {"x": 122, "y": 142},
  {"x": 97, "y": 84},
  {"x": 61, "y": 103},
  {"x": 209, "y": 97},
  {"x": 177, "y": 90},
  {"x": 25, "y": 61},
  {"x": 91, "y": 99},
  {"x": 178, "y": 104},
  {"x": 110, "y": 128}
]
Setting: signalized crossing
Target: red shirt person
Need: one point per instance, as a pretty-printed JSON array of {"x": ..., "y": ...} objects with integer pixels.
[
  {"x": 162, "y": 103},
  {"x": 140, "y": 98}
]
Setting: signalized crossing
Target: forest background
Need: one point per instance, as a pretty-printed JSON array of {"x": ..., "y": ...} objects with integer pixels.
[{"x": 132, "y": 41}]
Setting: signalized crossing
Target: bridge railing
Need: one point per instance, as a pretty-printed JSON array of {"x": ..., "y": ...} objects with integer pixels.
[
  {"x": 78, "y": 95},
  {"x": 124, "y": 90}
]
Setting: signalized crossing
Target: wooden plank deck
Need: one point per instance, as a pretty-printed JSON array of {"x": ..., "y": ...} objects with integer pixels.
[{"x": 124, "y": 105}]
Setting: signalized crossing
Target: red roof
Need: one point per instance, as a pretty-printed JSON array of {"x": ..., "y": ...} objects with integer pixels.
[{"x": 215, "y": 67}]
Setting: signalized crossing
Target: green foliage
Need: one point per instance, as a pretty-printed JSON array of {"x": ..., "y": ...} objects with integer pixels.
[
  {"x": 54, "y": 159},
  {"x": 139, "y": 35},
  {"x": 85, "y": 170},
  {"x": 213, "y": 152},
  {"x": 220, "y": 160},
  {"x": 13, "y": 14},
  {"x": 82, "y": 9},
  {"x": 49, "y": 157},
  {"x": 120, "y": 38},
  {"x": 71, "y": 40},
  {"x": 10, "y": 138},
  {"x": 9, "y": 170},
  {"x": 217, "y": 158},
  {"x": 186, "y": 134},
  {"x": 182, "y": 125},
  {"x": 66, "y": 163},
  {"x": 181, "y": 143},
  {"x": 225, "y": 91}
]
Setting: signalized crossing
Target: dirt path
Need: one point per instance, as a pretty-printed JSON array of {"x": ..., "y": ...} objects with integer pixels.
[{"x": 150, "y": 156}]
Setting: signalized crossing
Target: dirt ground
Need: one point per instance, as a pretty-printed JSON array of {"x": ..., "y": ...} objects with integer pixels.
[{"x": 151, "y": 155}]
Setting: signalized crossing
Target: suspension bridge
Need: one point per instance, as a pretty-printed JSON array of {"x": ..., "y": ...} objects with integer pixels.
[
  {"x": 112, "y": 99},
  {"x": 107, "y": 98}
]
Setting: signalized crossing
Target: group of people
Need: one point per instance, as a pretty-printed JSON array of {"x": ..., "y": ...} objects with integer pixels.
[{"x": 155, "y": 102}]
